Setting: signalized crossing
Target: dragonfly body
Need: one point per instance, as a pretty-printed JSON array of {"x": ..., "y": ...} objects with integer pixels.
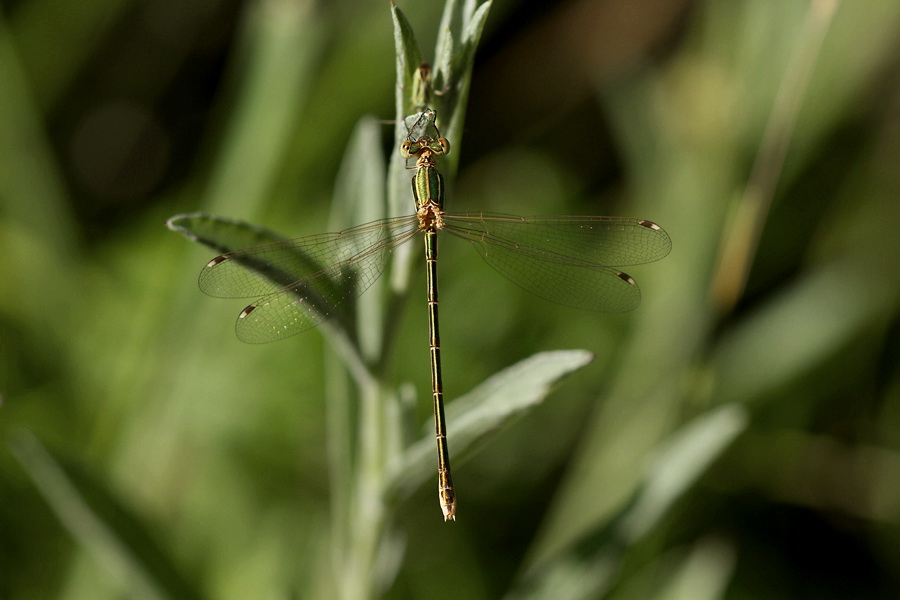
[
  {"x": 299, "y": 283},
  {"x": 428, "y": 192}
]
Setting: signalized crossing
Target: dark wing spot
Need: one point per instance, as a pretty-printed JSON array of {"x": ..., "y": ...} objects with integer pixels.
[
  {"x": 217, "y": 260},
  {"x": 626, "y": 278}
]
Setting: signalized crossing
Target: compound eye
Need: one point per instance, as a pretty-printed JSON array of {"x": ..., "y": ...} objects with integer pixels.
[
  {"x": 405, "y": 148},
  {"x": 445, "y": 145}
]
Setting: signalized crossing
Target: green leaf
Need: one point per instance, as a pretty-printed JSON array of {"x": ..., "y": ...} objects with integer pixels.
[
  {"x": 408, "y": 60},
  {"x": 451, "y": 20},
  {"x": 796, "y": 330},
  {"x": 443, "y": 71},
  {"x": 359, "y": 197},
  {"x": 279, "y": 44},
  {"x": 454, "y": 57},
  {"x": 595, "y": 559},
  {"x": 359, "y": 187},
  {"x": 463, "y": 59},
  {"x": 678, "y": 464},
  {"x": 703, "y": 573},
  {"x": 118, "y": 538},
  {"x": 227, "y": 235},
  {"x": 492, "y": 405},
  {"x": 220, "y": 233}
]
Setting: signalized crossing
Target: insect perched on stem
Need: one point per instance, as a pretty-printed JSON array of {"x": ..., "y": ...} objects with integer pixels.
[{"x": 301, "y": 282}]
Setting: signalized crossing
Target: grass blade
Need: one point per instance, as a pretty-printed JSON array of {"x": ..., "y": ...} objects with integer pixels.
[{"x": 101, "y": 523}]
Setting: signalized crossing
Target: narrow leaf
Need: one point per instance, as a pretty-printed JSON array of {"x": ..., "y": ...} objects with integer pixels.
[
  {"x": 463, "y": 59},
  {"x": 227, "y": 235},
  {"x": 490, "y": 406},
  {"x": 359, "y": 197},
  {"x": 359, "y": 188},
  {"x": 703, "y": 574},
  {"x": 220, "y": 233},
  {"x": 408, "y": 60},
  {"x": 679, "y": 463},
  {"x": 449, "y": 19},
  {"x": 120, "y": 541},
  {"x": 595, "y": 559},
  {"x": 443, "y": 72}
]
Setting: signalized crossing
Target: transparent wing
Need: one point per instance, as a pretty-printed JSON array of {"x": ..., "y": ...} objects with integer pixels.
[
  {"x": 303, "y": 281},
  {"x": 566, "y": 260},
  {"x": 604, "y": 241}
]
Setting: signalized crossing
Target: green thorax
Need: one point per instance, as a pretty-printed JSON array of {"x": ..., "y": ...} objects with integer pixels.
[
  {"x": 428, "y": 187},
  {"x": 424, "y": 144}
]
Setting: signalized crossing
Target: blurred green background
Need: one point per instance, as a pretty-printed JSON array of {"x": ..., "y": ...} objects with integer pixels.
[{"x": 738, "y": 436}]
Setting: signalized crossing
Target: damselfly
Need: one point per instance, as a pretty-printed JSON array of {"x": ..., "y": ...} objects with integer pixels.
[{"x": 304, "y": 281}]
